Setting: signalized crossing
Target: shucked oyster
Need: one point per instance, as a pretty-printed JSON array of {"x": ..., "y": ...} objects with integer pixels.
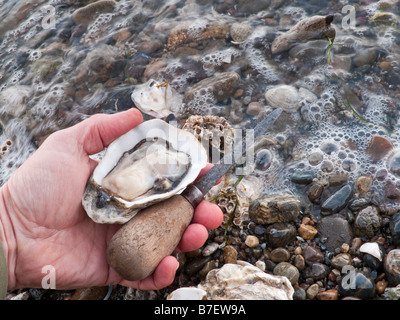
[
  {"x": 156, "y": 99},
  {"x": 150, "y": 163}
]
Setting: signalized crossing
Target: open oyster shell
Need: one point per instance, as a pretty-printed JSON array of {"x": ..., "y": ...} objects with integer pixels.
[{"x": 150, "y": 163}]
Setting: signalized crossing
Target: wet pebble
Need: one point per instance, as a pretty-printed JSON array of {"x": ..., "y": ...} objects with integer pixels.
[
  {"x": 316, "y": 271},
  {"x": 221, "y": 86},
  {"x": 279, "y": 255},
  {"x": 392, "y": 266},
  {"x": 210, "y": 249},
  {"x": 395, "y": 228},
  {"x": 330, "y": 294},
  {"x": 315, "y": 191},
  {"x": 302, "y": 177},
  {"x": 315, "y": 158},
  {"x": 357, "y": 284},
  {"x": 336, "y": 230},
  {"x": 307, "y": 232},
  {"x": 341, "y": 260},
  {"x": 280, "y": 234},
  {"x": 379, "y": 147},
  {"x": 364, "y": 183},
  {"x": 394, "y": 163},
  {"x": 252, "y": 241},
  {"x": 312, "y": 255},
  {"x": 287, "y": 270},
  {"x": 263, "y": 159},
  {"x": 337, "y": 201},
  {"x": 312, "y": 291},
  {"x": 274, "y": 208},
  {"x": 367, "y": 221},
  {"x": 230, "y": 254}
]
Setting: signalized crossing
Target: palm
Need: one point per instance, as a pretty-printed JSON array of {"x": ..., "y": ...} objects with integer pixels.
[
  {"x": 55, "y": 227},
  {"x": 50, "y": 227}
]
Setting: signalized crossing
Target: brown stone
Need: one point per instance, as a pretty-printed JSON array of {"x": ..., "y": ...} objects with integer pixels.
[
  {"x": 364, "y": 183},
  {"x": 380, "y": 287},
  {"x": 279, "y": 255},
  {"x": 307, "y": 232},
  {"x": 378, "y": 148},
  {"x": 341, "y": 260},
  {"x": 230, "y": 254},
  {"x": 331, "y": 294}
]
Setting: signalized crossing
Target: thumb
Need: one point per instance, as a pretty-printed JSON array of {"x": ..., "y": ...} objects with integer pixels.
[{"x": 98, "y": 131}]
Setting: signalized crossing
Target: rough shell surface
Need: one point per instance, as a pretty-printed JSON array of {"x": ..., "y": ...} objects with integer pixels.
[
  {"x": 104, "y": 208},
  {"x": 243, "y": 281},
  {"x": 235, "y": 201},
  {"x": 188, "y": 293},
  {"x": 213, "y": 130},
  {"x": 156, "y": 99}
]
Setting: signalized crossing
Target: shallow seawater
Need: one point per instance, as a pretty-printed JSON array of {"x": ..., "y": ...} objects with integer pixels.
[
  {"x": 56, "y": 69},
  {"x": 64, "y": 60}
]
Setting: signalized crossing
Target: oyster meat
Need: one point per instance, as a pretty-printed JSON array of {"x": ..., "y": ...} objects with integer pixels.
[
  {"x": 156, "y": 99},
  {"x": 150, "y": 163}
]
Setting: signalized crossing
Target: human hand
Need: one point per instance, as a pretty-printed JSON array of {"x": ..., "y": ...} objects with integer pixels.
[{"x": 42, "y": 221}]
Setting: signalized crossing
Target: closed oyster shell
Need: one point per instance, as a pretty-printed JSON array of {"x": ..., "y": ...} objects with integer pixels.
[
  {"x": 105, "y": 206},
  {"x": 288, "y": 97}
]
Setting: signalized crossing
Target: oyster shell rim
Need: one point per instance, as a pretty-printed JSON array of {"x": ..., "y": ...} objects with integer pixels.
[{"x": 149, "y": 129}]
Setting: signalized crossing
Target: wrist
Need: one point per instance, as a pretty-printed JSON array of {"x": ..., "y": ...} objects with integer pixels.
[{"x": 7, "y": 235}]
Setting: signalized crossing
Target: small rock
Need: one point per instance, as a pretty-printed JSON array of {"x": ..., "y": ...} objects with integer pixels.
[
  {"x": 85, "y": 15},
  {"x": 364, "y": 183},
  {"x": 315, "y": 158},
  {"x": 196, "y": 265},
  {"x": 341, "y": 260},
  {"x": 336, "y": 230},
  {"x": 221, "y": 86},
  {"x": 379, "y": 147},
  {"x": 312, "y": 291},
  {"x": 395, "y": 228},
  {"x": 357, "y": 284},
  {"x": 307, "y": 232},
  {"x": 380, "y": 286},
  {"x": 274, "y": 208},
  {"x": 239, "y": 31},
  {"x": 287, "y": 270},
  {"x": 316, "y": 271},
  {"x": 315, "y": 191},
  {"x": 230, "y": 254},
  {"x": 366, "y": 56},
  {"x": 210, "y": 249},
  {"x": 252, "y": 241},
  {"x": 392, "y": 293},
  {"x": 337, "y": 201},
  {"x": 394, "y": 163},
  {"x": 302, "y": 177},
  {"x": 280, "y": 234},
  {"x": 299, "y": 262},
  {"x": 299, "y": 294},
  {"x": 312, "y": 255},
  {"x": 367, "y": 221},
  {"x": 331, "y": 294},
  {"x": 279, "y": 255},
  {"x": 392, "y": 266}
]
